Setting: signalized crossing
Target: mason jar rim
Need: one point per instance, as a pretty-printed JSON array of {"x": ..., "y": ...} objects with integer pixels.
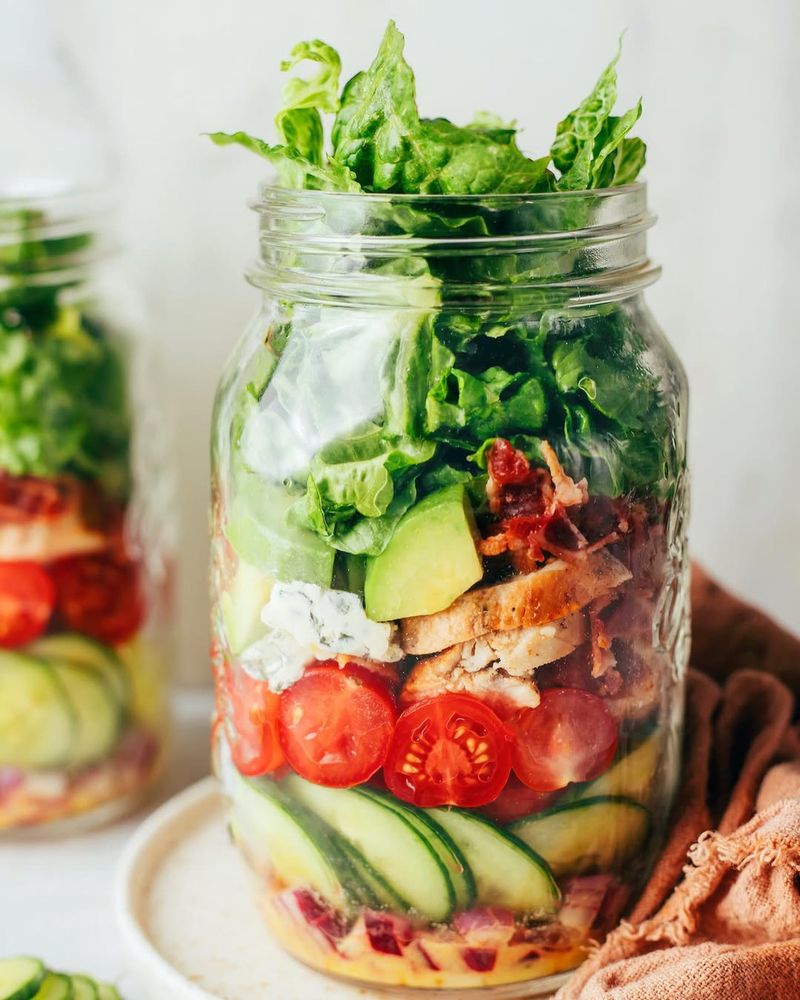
[{"x": 338, "y": 246}]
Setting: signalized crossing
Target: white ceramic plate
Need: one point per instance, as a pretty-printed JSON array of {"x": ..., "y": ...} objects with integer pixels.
[{"x": 191, "y": 927}]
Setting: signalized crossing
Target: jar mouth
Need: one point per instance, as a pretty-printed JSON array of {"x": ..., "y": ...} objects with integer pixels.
[
  {"x": 51, "y": 240},
  {"x": 472, "y": 249}
]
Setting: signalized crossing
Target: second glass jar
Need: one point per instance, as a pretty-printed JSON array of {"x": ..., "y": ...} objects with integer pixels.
[{"x": 449, "y": 581}]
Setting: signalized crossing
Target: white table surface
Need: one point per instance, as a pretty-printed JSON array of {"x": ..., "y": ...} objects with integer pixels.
[{"x": 56, "y": 894}]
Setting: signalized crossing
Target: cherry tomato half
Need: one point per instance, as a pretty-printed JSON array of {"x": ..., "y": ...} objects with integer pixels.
[
  {"x": 99, "y": 595},
  {"x": 448, "y": 750},
  {"x": 255, "y": 746},
  {"x": 336, "y": 724},
  {"x": 570, "y": 736},
  {"x": 517, "y": 800},
  {"x": 27, "y": 597}
]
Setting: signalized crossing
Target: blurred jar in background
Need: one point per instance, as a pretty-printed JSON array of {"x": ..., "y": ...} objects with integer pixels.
[{"x": 84, "y": 502}]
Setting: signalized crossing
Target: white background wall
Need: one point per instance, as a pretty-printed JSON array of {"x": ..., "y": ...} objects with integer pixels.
[{"x": 720, "y": 84}]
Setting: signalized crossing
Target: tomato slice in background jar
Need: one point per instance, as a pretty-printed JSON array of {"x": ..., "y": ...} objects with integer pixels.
[
  {"x": 336, "y": 724},
  {"x": 99, "y": 595},
  {"x": 448, "y": 750},
  {"x": 517, "y": 800},
  {"x": 570, "y": 736},
  {"x": 255, "y": 745},
  {"x": 27, "y": 599}
]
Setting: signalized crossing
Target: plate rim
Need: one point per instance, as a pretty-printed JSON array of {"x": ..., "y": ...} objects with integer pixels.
[{"x": 132, "y": 865}]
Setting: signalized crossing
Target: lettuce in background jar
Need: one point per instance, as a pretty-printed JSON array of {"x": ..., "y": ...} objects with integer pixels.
[{"x": 449, "y": 540}]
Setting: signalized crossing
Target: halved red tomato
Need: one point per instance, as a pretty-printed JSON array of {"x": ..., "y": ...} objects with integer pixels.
[
  {"x": 99, "y": 595},
  {"x": 570, "y": 736},
  {"x": 336, "y": 724},
  {"x": 27, "y": 597},
  {"x": 255, "y": 746},
  {"x": 448, "y": 750},
  {"x": 517, "y": 800}
]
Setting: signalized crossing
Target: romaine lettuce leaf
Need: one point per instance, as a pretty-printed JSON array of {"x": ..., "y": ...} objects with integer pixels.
[
  {"x": 379, "y": 135},
  {"x": 590, "y": 148},
  {"x": 299, "y": 121},
  {"x": 63, "y": 401}
]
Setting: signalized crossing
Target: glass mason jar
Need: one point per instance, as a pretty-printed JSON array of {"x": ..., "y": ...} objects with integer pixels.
[
  {"x": 449, "y": 581},
  {"x": 83, "y": 553}
]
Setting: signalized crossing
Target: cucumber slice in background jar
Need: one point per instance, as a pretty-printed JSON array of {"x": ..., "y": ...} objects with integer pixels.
[
  {"x": 96, "y": 710},
  {"x": 38, "y": 722},
  {"x": 74, "y": 648},
  {"x": 599, "y": 834},
  {"x": 507, "y": 871},
  {"x": 20, "y": 978}
]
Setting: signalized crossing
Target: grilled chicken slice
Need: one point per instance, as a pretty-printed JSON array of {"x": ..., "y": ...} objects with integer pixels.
[
  {"x": 548, "y": 594},
  {"x": 444, "y": 674}
]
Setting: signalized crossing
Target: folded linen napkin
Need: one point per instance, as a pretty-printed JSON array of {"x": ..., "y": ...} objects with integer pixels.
[{"x": 727, "y": 923}]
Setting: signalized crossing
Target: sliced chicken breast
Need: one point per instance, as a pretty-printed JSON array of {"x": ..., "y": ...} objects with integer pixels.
[{"x": 548, "y": 594}]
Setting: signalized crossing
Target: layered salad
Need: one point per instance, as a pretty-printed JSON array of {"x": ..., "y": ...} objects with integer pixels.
[
  {"x": 446, "y": 625},
  {"x": 79, "y": 697}
]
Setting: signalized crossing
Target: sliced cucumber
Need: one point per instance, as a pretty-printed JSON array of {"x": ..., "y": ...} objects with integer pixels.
[
  {"x": 73, "y": 648},
  {"x": 54, "y": 987},
  {"x": 630, "y": 776},
  {"x": 20, "y": 978},
  {"x": 38, "y": 724},
  {"x": 391, "y": 843},
  {"x": 83, "y": 988},
  {"x": 507, "y": 871},
  {"x": 441, "y": 841},
  {"x": 105, "y": 991},
  {"x": 374, "y": 890},
  {"x": 599, "y": 834},
  {"x": 96, "y": 709},
  {"x": 302, "y": 850}
]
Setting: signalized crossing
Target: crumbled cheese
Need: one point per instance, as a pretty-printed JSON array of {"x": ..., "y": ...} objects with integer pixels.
[
  {"x": 277, "y": 658},
  {"x": 330, "y": 622},
  {"x": 307, "y": 622}
]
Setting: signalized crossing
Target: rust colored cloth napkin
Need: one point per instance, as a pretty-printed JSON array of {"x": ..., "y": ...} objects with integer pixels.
[{"x": 720, "y": 916}]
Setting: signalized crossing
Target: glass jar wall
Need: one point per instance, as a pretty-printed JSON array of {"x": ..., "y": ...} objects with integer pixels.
[
  {"x": 83, "y": 554},
  {"x": 449, "y": 581}
]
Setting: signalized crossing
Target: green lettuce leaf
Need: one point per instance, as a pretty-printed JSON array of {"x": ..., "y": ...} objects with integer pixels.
[
  {"x": 299, "y": 121},
  {"x": 366, "y": 475},
  {"x": 589, "y": 148},
  {"x": 63, "y": 401},
  {"x": 293, "y": 170},
  {"x": 379, "y": 135}
]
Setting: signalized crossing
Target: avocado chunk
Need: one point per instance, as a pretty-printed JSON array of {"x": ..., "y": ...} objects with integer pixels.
[{"x": 430, "y": 560}]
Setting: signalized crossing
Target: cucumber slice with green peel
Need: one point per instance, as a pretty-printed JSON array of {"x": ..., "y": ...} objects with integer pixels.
[
  {"x": 630, "y": 776},
  {"x": 105, "y": 991},
  {"x": 507, "y": 871},
  {"x": 600, "y": 834},
  {"x": 38, "y": 724},
  {"x": 83, "y": 988},
  {"x": 71, "y": 647},
  {"x": 20, "y": 978},
  {"x": 54, "y": 987},
  {"x": 440, "y": 839},
  {"x": 374, "y": 890},
  {"x": 278, "y": 832},
  {"x": 96, "y": 711},
  {"x": 389, "y": 840}
]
